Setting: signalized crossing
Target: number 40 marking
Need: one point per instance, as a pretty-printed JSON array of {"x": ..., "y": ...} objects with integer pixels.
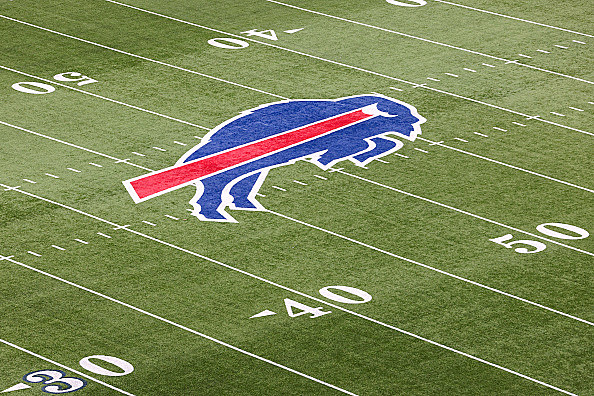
[{"x": 292, "y": 305}]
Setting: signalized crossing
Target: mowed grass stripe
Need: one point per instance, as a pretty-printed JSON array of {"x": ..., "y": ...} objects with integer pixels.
[
  {"x": 416, "y": 85},
  {"x": 269, "y": 282}
]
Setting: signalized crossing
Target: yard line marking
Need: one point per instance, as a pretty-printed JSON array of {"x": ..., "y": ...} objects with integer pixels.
[
  {"x": 577, "y": 41},
  {"x": 330, "y": 304},
  {"x": 171, "y": 217},
  {"x": 396, "y": 89},
  {"x": 449, "y": 74},
  {"x": 278, "y": 188},
  {"x": 73, "y": 170},
  {"x": 511, "y": 17},
  {"x": 575, "y": 108},
  {"x": 488, "y": 65},
  {"x": 464, "y": 212},
  {"x": 382, "y": 161},
  {"x": 149, "y": 223},
  {"x": 298, "y": 182},
  {"x": 81, "y": 241},
  {"x": 401, "y": 155},
  {"x": 69, "y": 144},
  {"x": 500, "y": 129},
  {"x": 97, "y": 165},
  {"x": 519, "y": 124},
  {"x": 432, "y": 79},
  {"x": 421, "y": 150},
  {"x": 162, "y": 319},
  {"x": 260, "y": 195},
  {"x": 592, "y": 103},
  {"x": 423, "y": 39},
  {"x": 509, "y": 165},
  {"x": 310, "y": 56},
  {"x": 159, "y": 149},
  {"x": 561, "y": 46},
  {"x": 543, "y": 51},
  {"x": 30, "y": 181},
  {"x": 102, "y": 97},
  {"x": 456, "y": 138},
  {"x": 470, "y": 70},
  {"x": 433, "y": 144},
  {"x": 33, "y": 253},
  {"x": 481, "y": 134},
  {"x": 141, "y": 57},
  {"x": 58, "y": 247},
  {"x": 557, "y": 114},
  {"x": 525, "y": 56},
  {"x": 51, "y": 175},
  {"x": 138, "y": 154},
  {"x": 180, "y": 143},
  {"x": 65, "y": 367},
  {"x": 321, "y": 177},
  {"x": 103, "y": 235}
]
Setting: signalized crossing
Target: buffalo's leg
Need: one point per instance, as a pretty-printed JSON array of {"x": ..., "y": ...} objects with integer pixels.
[
  {"x": 244, "y": 191},
  {"x": 212, "y": 201}
]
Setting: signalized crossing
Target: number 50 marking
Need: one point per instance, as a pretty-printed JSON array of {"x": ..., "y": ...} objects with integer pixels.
[{"x": 544, "y": 229}]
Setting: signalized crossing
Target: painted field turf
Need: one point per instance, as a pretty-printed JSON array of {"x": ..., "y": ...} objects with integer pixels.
[{"x": 460, "y": 264}]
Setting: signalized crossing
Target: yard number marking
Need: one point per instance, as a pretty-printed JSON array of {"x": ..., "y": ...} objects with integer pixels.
[
  {"x": 232, "y": 43},
  {"x": 544, "y": 229},
  {"x": 56, "y": 382},
  {"x": 416, "y": 3},
  {"x": 37, "y": 88},
  {"x": 295, "y": 308}
]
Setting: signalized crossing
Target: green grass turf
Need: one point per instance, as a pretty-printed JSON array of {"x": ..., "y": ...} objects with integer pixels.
[{"x": 63, "y": 323}]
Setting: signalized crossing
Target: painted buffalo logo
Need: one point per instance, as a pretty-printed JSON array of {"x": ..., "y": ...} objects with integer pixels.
[{"x": 231, "y": 163}]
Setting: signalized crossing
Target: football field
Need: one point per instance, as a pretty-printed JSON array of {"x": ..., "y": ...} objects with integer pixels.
[{"x": 297, "y": 197}]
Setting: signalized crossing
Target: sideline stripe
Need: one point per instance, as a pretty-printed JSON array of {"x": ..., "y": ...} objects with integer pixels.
[
  {"x": 338, "y": 63},
  {"x": 429, "y": 41},
  {"x": 103, "y": 97},
  {"x": 511, "y": 17},
  {"x": 466, "y": 213},
  {"x": 162, "y": 319},
  {"x": 141, "y": 57},
  {"x": 71, "y": 145},
  {"x": 299, "y": 53},
  {"x": 61, "y": 365},
  {"x": 271, "y": 283},
  {"x": 506, "y": 164}
]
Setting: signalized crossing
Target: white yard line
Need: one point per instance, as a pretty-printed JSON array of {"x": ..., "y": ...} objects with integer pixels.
[
  {"x": 141, "y": 57},
  {"x": 423, "y": 39},
  {"x": 71, "y": 145},
  {"x": 508, "y": 165},
  {"x": 465, "y": 212},
  {"x": 514, "y": 18},
  {"x": 282, "y": 287},
  {"x": 313, "y": 57},
  {"x": 102, "y": 97},
  {"x": 481, "y": 134},
  {"x": 10, "y": 344},
  {"x": 182, "y": 327}
]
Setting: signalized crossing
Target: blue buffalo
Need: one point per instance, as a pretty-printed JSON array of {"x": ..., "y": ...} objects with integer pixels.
[{"x": 236, "y": 188}]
